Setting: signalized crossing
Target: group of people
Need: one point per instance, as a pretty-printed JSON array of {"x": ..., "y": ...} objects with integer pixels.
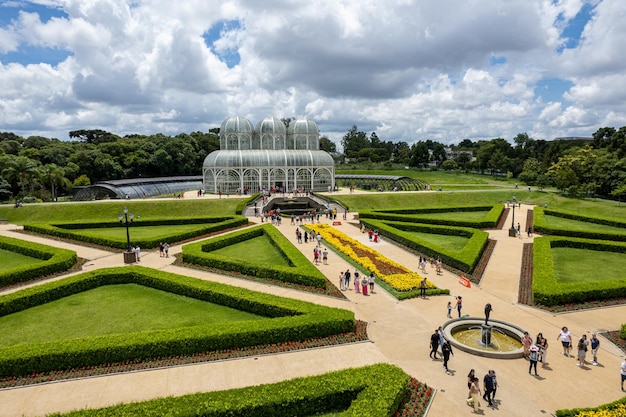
[
  {"x": 164, "y": 250},
  {"x": 362, "y": 284},
  {"x": 317, "y": 253},
  {"x": 373, "y": 235},
  {"x": 490, "y": 386}
]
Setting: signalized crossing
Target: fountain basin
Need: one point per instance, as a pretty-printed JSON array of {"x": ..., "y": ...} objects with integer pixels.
[{"x": 465, "y": 334}]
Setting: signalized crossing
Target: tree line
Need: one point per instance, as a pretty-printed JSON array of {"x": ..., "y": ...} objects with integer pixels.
[{"x": 44, "y": 168}]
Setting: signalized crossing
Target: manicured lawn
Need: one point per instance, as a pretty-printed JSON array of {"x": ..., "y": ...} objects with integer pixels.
[
  {"x": 456, "y": 215},
  {"x": 139, "y": 232},
  {"x": 258, "y": 250},
  {"x": 10, "y": 260},
  {"x": 449, "y": 241},
  {"x": 583, "y": 265},
  {"x": 112, "y": 309},
  {"x": 569, "y": 224}
]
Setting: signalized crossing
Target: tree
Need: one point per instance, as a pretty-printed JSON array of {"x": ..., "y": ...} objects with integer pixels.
[
  {"x": 419, "y": 155},
  {"x": 439, "y": 153},
  {"x": 375, "y": 141},
  {"x": 354, "y": 141},
  {"x": 449, "y": 165},
  {"x": 55, "y": 177},
  {"x": 327, "y": 145},
  {"x": 20, "y": 169},
  {"x": 95, "y": 136},
  {"x": 532, "y": 169}
]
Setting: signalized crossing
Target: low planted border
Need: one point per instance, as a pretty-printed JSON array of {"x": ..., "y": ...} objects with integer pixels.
[
  {"x": 464, "y": 261},
  {"x": 300, "y": 270},
  {"x": 56, "y": 260},
  {"x": 375, "y": 391},
  {"x": 540, "y": 225},
  {"x": 549, "y": 292},
  {"x": 288, "y": 320},
  {"x": 614, "y": 409},
  {"x": 412, "y": 215},
  {"x": 72, "y": 230},
  {"x": 397, "y": 279}
]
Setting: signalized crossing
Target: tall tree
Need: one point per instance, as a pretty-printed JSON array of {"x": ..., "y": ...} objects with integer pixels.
[
  {"x": 354, "y": 141},
  {"x": 327, "y": 145},
  {"x": 20, "y": 169},
  {"x": 54, "y": 176}
]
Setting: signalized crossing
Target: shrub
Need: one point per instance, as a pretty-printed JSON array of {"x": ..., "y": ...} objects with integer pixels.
[
  {"x": 56, "y": 260},
  {"x": 300, "y": 271},
  {"x": 540, "y": 225},
  {"x": 291, "y": 320}
]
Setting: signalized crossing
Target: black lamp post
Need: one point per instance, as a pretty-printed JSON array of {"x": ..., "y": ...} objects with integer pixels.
[
  {"x": 124, "y": 219},
  {"x": 512, "y": 231}
]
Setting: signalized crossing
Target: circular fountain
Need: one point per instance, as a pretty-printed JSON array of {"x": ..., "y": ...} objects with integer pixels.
[{"x": 488, "y": 338}]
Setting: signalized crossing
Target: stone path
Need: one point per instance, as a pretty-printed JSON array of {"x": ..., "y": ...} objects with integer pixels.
[{"x": 399, "y": 332}]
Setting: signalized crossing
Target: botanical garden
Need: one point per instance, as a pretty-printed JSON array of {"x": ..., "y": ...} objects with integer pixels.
[{"x": 235, "y": 289}]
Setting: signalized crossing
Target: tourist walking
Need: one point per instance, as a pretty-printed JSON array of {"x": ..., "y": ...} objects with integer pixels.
[
  {"x": 527, "y": 341},
  {"x": 342, "y": 282},
  {"x": 138, "y": 253},
  {"x": 488, "y": 388},
  {"x": 372, "y": 279},
  {"x": 459, "y": 304},
  {"x": 166, "y": 249},
  {"x": 543, "y": 350},
  {"x": 623, "y": 372},
  {"x": 347, "y": 277},
  {"x": 533, "y": 357},
  {"x": 423, "y": 288},
  {"x": 495, "y": 386},
  {"x": 161, "y": 251},
  {"x": 434, "y": 345},
  {"x": 474, "y": 392},
  {"x": 595, "y": 345},
  {"x": 441, "y": 338},
  {"x": 357, "y": 281},
  {"x": 582, "y": 350},
  {"x": 470, "y": 378},
  {"x": 566, "y": 340},
  {"x": 447, "y": 351},
  {"x": 325, "y": 256},
  {"x": 449, "y": 309}
]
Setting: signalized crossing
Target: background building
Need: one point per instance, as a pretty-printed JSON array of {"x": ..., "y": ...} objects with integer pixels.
[{"x": 270, "y": 156}]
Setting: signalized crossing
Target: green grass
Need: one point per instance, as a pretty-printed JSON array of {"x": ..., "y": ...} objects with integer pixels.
[
  {"x": 112, "y": 309},
  {"x": 456, "y": 215},
  {"x": 139, "y": 232},
  {"x": 578, "y": 225},
  {"x": 10, "y": 260},
  {"x": 434, "y": 178},
  {"x": 107, "y": 211},
  {"x": 584, "y": 265},
  {"x": 258, "y": 250},
  {"x": 451, "y": 242}
]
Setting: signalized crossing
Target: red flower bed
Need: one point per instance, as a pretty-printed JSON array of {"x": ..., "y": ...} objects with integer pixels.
[{"x": 416, "y": 400}]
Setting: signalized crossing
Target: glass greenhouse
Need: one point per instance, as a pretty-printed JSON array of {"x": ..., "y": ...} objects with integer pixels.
[{"x": 269, "y": 157}]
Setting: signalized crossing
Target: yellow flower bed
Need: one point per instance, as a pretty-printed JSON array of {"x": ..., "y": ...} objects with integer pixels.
[
  {"x": 618, "y": 411},
  {"x": 401, "y": 279}
]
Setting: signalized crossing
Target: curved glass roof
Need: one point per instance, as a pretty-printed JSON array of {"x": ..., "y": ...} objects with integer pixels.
[
  {"x": 272, "y": 125},
  {"x": 303, "y": 126},
  {"x": 267, "y": 158},
  {"x": 236, "y": 124},
  {"x": 138, "y": 188}
]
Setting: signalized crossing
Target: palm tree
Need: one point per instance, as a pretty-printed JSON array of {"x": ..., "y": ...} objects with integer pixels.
[
  {"x": 55, "y": 176},
  {"x": 20, "y": 169}
]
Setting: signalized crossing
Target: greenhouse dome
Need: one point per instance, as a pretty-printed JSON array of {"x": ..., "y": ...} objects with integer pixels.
[{"x": 270, "y": 157}]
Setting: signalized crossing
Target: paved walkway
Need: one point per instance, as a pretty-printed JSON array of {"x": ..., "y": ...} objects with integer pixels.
[{"x": 399, "y": 332}]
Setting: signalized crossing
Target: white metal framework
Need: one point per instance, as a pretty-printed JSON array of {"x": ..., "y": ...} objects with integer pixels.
[{"x": 269, "y": 157}]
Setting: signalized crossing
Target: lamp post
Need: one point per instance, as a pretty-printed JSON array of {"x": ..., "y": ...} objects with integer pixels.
[
  {"x": 512, "y": 231},
  {"x": 126, "y": 220}
]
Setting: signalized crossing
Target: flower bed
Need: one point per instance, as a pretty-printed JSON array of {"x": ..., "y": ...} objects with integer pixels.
[
  {"x": 399, "y": 277},
  {"x": 416, "y": 400}
]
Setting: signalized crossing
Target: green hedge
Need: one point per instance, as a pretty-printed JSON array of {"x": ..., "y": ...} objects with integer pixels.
[
  {"x": 413, "y": 215},
  {"x": 540, "y": 225},
  {"x": 575, "y": 411},
  {"x": 56, "y": 260},
  {"x": 300, "y": 269},
  {"x": 242, "y": 204},
  {"x": 72, "y": 230},
  {"x": 288, "y": 320},
  {"x": 548, "y": 291},
  {"x": 465, "y": 260},
  {"x": 372, "y": 391}
]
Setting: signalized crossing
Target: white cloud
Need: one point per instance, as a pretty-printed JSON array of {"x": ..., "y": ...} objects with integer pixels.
[{"x": 409, "y": 70}]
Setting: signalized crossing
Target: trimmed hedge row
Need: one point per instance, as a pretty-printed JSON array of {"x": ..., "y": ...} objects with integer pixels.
[
  {"x": 288, "y": 320},
  {"x": 300, "y": 269},
  {"x": 56, "y": 260},
  {"x": 243, "y": 203},
  {"x": 72, "y": 230},
  {"x": 372, "y": 391},
  {"x": 412, "y": 215},
  {"x": 608, "y": 407},
  {"x": 548, "y": 291},
  {"x": 465, "y": 260},
  {"x": 540, "y": 225}
]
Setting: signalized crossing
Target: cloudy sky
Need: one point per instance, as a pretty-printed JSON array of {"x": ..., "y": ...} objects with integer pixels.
[{"x": 407, "y": 69}]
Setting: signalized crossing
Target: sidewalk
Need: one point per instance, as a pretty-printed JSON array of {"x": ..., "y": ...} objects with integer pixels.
[{"x": 400, "y": 332}]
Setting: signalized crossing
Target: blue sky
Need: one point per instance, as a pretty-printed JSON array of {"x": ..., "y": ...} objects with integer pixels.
[{"x": 407, "y": 70}]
